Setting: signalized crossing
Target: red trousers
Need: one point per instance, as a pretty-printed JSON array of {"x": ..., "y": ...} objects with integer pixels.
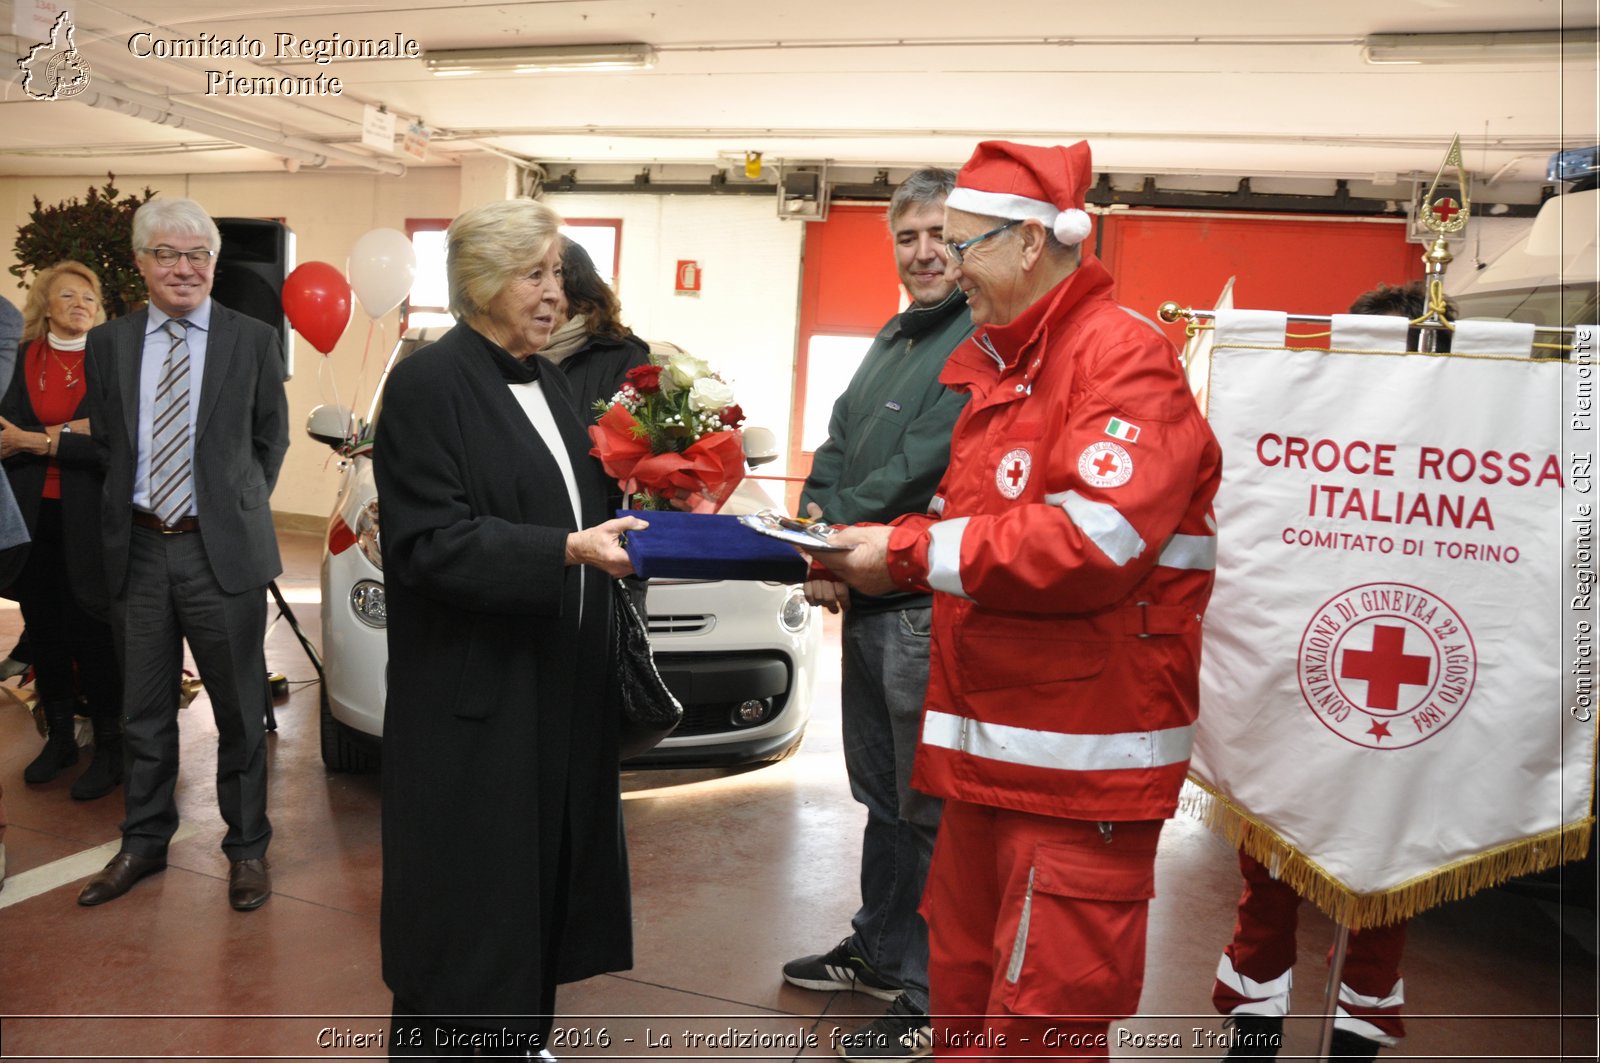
[
  {"x": 1257, "y": 969},
  {"x": 1036, "y": 932}
]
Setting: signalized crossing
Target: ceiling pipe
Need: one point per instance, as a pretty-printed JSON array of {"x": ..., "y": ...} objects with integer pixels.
[
  {"x": 112, "y": 101},
  {"x": 162, "y": 111},
  {"x": 282, "y": 143}
]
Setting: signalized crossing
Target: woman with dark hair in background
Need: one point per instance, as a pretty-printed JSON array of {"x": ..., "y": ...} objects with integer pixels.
[
  {"x": 593, "y": 347},
  {"x": 58, "y": 578}
]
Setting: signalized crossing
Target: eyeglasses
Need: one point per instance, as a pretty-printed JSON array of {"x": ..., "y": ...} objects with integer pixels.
[
  {"x": 167, "y": 256},
  {"x": 956, "y": 251}
]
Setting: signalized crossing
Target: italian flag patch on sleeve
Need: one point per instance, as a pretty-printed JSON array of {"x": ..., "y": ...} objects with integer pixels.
[{"x": 1128, "y": 433}]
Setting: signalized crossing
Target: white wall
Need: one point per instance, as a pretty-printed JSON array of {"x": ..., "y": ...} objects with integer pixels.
[{"x": 744, "y": 318}]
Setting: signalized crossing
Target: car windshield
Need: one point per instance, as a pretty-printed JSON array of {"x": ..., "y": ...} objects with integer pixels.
[
  {"x": 1550, "y": 304},
  {"x": 409, "y": 344}
]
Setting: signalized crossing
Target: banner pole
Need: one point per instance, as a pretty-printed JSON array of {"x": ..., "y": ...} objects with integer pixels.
[{"x": 1330, "y": 1002}]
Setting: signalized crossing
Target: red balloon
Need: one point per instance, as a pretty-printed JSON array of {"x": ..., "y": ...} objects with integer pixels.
[{"x": 316, "y": 297}]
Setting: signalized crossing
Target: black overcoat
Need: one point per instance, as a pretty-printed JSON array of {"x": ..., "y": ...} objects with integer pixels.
[
  {"x": 82, "y": 479},
  {"x": 504, "y": 866}
]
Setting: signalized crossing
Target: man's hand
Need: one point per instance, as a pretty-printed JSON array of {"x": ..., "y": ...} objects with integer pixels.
[
  {"x": 834, "y": 597},
  {"x": 866, "y": 568}
]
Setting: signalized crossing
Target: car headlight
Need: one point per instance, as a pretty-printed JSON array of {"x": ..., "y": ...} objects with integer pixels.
[
  {"x": 366, "y": 530},
  {"x": 368, "y": 601},
  {"x": 795, "y": 613}
]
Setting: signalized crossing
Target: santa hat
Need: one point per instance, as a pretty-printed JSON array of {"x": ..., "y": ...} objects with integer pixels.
[{"x": 1015, "y": 181}]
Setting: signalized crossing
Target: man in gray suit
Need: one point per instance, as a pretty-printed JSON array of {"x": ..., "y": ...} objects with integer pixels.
[{"x": 190, "y": 413}]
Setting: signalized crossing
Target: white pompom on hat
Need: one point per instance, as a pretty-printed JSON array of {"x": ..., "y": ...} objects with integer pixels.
[{"x": 1015, "y": 181}]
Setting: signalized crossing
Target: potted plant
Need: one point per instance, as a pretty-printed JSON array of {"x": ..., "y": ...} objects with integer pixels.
[{"x": 98, "y": 231}]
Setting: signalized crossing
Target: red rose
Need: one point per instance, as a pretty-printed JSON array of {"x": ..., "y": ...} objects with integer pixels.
[
  {"x": 645, "y": 378},
  {"x": 733, "y": 416}
]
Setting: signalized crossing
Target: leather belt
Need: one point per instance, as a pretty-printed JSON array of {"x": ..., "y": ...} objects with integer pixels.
[{"x": 142, "y": 519}]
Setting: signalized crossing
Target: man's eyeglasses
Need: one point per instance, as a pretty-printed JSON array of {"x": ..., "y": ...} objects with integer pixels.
[
  {"x": 166, "y": 256},
  {"x": 956, "y": 251}
]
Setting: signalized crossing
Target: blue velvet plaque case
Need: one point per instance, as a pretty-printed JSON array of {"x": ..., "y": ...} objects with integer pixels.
[{"x": 708, "y": 546}]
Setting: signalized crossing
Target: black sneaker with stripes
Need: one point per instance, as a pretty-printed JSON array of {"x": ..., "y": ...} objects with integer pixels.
[{"x": 839, "y": 968}]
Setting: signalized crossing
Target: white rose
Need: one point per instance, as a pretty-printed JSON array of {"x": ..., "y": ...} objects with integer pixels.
[
  {"x": 682, "y": 370},
  {"x": 709, "y": 395}
]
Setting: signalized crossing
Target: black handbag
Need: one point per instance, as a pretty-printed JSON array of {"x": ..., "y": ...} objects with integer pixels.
[{"x": 647, "y": 709}]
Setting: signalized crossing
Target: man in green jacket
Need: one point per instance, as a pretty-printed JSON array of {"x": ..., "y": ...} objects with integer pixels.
[{"x": 887, "y": 448}]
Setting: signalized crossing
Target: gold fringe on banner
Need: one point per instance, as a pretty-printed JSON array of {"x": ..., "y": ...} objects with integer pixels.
[{"x": 1338, "y": 902}]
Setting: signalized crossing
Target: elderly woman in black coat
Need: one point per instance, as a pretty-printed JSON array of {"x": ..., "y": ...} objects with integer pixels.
[{"x": 504, "y": 866}]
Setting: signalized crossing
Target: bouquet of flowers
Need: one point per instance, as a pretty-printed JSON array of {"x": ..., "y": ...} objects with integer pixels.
[{"x": 671, "y": 436}]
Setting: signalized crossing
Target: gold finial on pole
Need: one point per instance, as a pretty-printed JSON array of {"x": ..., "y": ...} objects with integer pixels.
[{"x": 1442, "y": 215}]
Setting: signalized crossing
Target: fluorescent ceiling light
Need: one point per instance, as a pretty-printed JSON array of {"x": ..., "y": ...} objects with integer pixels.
[
  {"x": 462, "y": 61},
  {"x": 1520, "y": 46}
]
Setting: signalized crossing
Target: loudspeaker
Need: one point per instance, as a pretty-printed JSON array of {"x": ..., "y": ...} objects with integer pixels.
[{"x": 256, "y": 255}]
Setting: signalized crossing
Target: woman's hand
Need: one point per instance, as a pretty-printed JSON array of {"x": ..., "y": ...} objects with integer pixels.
[
  {"x": 601, "y": 546},
  {"x": 14, "y": 440}
]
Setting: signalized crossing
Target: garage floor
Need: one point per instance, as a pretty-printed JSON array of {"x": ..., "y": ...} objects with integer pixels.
[{"x": 734, "y": 872}]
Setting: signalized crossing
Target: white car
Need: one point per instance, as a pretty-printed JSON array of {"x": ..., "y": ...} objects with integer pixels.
[{"x": 740, "y": 655}]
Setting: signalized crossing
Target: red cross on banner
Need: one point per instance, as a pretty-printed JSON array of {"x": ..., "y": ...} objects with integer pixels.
[{"x": 1386, "y": 667}]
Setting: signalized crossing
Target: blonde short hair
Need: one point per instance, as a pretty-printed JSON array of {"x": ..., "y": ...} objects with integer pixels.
[
  {"x": 488, "y": 246},
  {"x": 38, "y": 305}
]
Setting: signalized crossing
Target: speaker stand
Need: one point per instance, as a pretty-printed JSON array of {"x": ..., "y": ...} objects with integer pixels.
[{"x": 286, "y": 613}]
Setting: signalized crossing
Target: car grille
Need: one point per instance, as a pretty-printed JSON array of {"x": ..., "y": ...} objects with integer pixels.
[
  {"x": 711, "y": 686},
  {"x": 681, "y": 623}
]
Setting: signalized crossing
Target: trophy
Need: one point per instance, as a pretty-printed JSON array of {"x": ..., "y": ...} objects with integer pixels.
[{"x": 1441, "y": 215}]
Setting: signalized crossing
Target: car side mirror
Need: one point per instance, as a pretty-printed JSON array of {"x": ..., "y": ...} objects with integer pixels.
[
  {"x": 330, "y": 425},
  {"x": 760, "y": 446}
]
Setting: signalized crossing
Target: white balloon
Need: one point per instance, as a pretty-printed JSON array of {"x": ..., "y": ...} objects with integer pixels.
[{"x": 381, "y": 267}]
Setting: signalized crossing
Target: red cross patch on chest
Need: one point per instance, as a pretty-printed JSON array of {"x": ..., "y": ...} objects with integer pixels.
[
  {"x": 1105, "y": 465},
  {"x": 1011, "y": 475}
]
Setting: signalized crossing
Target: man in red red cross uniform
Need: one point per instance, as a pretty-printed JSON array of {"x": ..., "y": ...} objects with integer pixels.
[{"x": 1071, "y": 548}]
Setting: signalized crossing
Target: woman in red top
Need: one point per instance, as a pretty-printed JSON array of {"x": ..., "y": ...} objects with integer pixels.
[{"x": 58, "y": 578}]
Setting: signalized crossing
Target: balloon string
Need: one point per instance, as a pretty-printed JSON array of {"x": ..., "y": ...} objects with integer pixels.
[
  {"x": 329, "y": 382},
  {"x": 361, "y": 375}
]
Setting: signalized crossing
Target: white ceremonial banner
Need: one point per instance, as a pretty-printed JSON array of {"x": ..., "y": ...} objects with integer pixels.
[{"x": 1383, "y": 716}]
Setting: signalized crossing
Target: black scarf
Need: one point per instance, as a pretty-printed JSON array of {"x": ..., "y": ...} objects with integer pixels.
[{"x": 512, "y": 369}]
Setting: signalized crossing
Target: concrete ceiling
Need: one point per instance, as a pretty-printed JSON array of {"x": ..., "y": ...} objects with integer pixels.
[{"x": 1234, "y": 88}]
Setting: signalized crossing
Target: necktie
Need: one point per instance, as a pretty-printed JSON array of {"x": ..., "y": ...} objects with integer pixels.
[{"x": 171, "y": 487}]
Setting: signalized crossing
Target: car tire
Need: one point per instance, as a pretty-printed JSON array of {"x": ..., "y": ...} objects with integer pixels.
[{"x": 342, "y": 751}]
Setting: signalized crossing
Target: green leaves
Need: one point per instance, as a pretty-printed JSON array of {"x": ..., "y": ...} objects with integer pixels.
[{"x": 98, "y": 231}]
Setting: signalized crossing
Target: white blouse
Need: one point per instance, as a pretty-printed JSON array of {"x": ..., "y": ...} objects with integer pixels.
[{"x": 531, "y": 398}]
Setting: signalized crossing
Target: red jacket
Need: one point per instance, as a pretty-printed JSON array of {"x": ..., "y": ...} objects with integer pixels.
[{"x": 1073, "y": 539}]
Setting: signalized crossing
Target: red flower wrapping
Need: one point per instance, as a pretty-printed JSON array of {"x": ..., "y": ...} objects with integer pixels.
[{"x": 700, "y": 478}]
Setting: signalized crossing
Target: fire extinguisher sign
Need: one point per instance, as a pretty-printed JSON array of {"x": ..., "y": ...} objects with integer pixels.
[{"x": 687, "y": 278}]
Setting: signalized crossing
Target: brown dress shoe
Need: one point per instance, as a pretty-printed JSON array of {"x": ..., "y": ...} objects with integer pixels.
[
  {"x": 119, "y": 876},
  {"x": 249, "y": 885}
]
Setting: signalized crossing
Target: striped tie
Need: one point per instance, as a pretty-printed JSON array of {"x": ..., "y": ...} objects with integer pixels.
[{"x": 171, "y": 489}]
